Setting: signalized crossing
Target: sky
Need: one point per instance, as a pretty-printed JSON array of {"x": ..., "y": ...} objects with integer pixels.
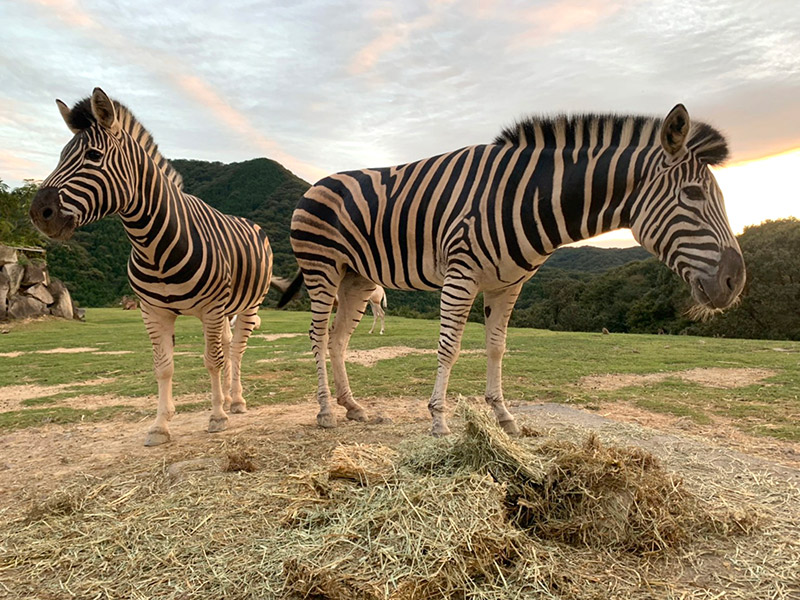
[{"x": 329, "y": 85}]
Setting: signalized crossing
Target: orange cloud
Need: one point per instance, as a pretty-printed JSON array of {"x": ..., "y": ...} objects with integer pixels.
[{"x": 393, "y": 33}]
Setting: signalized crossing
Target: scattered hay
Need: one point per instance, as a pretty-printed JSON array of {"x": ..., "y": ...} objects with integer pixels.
[
  {"x": 416, "y": 539},
  {"x": 363, "y": 463},
  {"x": 478, "y": 516}
]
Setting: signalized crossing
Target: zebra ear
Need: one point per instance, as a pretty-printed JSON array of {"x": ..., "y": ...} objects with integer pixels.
[
  {"x": 103, "y": 110},
  {"x": 675, "y": 131},
  {"x": 66, "y": 114}
]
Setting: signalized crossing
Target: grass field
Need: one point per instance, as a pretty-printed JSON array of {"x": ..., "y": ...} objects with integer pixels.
[{"x": 540, "y": 366}]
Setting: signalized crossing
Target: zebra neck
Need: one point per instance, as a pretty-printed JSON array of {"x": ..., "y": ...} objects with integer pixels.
[
  {"x": 572, "y": 194},
  {"x": 155, "y": 215}
]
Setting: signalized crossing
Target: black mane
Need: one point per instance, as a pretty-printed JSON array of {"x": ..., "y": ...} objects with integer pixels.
[
  {"x": 81, "y": 117},
  {"x": 705, "y": 142}
]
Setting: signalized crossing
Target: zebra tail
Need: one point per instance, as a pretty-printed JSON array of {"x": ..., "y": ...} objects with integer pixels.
[{"x": 291, "y": 290}]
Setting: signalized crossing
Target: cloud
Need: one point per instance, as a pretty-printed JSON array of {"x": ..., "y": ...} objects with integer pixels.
[{"x": 174, "y": 72}]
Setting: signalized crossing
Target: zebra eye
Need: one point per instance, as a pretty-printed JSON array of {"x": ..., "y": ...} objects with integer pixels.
[
  {"x": 94, "y": 155},
  {"x": 694, "y": 192}
]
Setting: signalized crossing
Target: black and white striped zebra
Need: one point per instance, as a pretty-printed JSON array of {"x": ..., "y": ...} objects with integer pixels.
[
  {"x": 187, "y": 258},
  {"x": 485, "y": 218}
]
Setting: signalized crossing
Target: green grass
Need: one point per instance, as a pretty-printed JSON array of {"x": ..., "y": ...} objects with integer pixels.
[{"x": 539, "y": 366}]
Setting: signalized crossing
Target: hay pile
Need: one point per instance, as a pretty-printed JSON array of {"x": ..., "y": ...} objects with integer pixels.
[{"x": 475, "y": 516}]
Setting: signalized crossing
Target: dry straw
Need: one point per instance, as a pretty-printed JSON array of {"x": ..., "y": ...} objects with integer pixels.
[{"x": 476, "y": 516}]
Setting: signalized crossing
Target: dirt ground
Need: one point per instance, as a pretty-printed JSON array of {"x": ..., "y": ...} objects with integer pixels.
[{"x": 36, "y": 461}]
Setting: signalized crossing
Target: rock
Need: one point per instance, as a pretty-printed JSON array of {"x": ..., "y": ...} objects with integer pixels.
[
  {"x": 24, "y": 307},
  {"x": 62, "y": 305},
  {"x": 4, "y": 285},
  {"x": 7, "y": 255},
  {"x": 14, "y": 272},
  {"x": 39, "y": 291},
  {"x": 79, "y": 314},
  {"x": 34, "y": 273}
]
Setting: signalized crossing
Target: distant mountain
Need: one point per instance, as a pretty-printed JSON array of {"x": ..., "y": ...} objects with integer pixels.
[{"x": 94, "y": 263}]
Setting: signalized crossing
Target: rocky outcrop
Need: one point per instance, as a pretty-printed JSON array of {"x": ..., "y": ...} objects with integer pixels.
[{"x": 27, "y": 291}]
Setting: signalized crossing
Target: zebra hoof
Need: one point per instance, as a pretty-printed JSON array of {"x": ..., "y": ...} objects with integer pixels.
[
  {"x": 215, "y": 425},
  {"x": 357, "y": 414},
  {"x": 439, "y": 432},
  {"x": 156, "y": 437},
  {"x": 326, "y": 421},
  {"x": 238, "y": 408},
  {"x": 510, "y": 427}
]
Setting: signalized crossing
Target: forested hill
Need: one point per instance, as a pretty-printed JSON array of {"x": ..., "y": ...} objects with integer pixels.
[
  {"x": 260, "y": 189},
  {"x": 589, "y": 259},
  {"x": 93, "y": 264}
]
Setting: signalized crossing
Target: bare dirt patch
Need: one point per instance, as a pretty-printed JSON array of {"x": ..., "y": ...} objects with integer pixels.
[
  {"x": 272, "y": 337},
  {"x": 721, "y": 431},
  {"x": 11, "y": 354},
  {"x": 114, "y": 352},
  {"x": 709, "y": 377},
  {"x": 12, "y": 396},
  {"x": 66, "y": 350}
]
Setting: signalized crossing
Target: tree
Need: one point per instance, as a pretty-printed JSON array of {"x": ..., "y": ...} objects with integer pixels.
[
  {"x": 770, "y": 306},
  {"x": 15, "y": 224}
]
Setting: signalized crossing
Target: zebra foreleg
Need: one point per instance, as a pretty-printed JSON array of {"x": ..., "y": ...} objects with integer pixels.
[
  {"x": 245, "y": 323},
  {"x": 161, "y": 328},
  {"x": 226, "y": 368},
  {"x": 457, "y": 298},
  {"x": 214, "y": 359},
  {"x": 354, "y": 292},
  {"x": 497, "y": 306}
]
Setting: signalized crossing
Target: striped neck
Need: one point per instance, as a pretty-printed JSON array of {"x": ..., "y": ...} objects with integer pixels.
[
  {"x": 579, "y": 175},
  {"x": 157, "y": 207}
]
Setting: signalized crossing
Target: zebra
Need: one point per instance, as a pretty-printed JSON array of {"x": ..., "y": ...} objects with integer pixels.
[
  {"x": 187, "y": 258},
  {"x": 377, "y": 302},
  {"x": 486, "y": 217}
]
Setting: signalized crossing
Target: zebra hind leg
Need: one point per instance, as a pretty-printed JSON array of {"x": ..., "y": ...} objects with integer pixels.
[
  {"x": 243, "y": 327},
  {"x": 161, "y": 329},
  {"x": 214, "y": 359},
  {"x": 322, "y": 295},
  {"x": 497, "y": 308},
  {"x": 354, "y": 292},
  {"x": 458, "y": 294},
  {"x": 375, "y": 309}
]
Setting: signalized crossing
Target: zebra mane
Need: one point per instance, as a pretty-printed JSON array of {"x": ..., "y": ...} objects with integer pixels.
[
  {"x": 705, "y": 142},
  {"x": 81, "y": 117}
]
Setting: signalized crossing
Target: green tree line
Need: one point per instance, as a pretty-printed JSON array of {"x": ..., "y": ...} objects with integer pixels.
[{"x": 578, "y": 289}]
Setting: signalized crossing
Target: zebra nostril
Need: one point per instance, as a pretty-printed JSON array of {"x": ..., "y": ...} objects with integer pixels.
[
  {"x": 47, "y": 214},
  {"x": 729, "y": 283}
]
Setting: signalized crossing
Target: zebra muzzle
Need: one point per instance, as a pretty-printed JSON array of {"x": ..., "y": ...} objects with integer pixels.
[
  {"x": 720, "y": 290},
  {"x": 47, "y": 216}
]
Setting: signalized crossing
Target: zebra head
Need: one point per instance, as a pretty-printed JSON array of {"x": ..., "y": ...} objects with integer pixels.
[
  {"x": 679, "y": 214},
  {"x": 94, "y": 176}
]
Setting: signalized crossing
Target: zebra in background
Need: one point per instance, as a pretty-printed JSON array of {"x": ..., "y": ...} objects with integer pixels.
[
  {"x": 377, "y": 302},
  {"x": 485, "y": 218},
  {"x": 187, "y": 258}
]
